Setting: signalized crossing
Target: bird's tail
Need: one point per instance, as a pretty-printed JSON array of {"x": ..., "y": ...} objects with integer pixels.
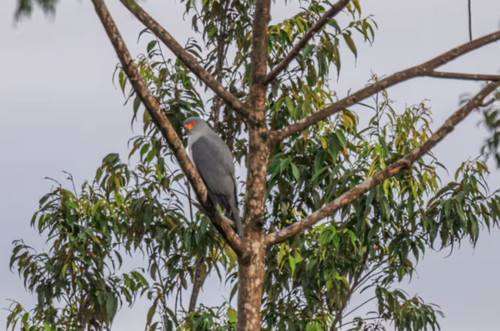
[{"x": 237, "y": 220}]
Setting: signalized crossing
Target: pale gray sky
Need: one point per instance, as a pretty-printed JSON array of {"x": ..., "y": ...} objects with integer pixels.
[{"x": 60, "y": 111}]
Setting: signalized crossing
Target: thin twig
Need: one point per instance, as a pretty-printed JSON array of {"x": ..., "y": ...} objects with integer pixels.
[
  {"x": 334, "y": 10},
  {"x": 361, "y": 305},
  {"x": 458, "y": 75},
  {"x": 470, "y": 20}
]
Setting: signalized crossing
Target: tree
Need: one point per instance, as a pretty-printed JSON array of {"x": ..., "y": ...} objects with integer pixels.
[{"x": 330, "y": 208}]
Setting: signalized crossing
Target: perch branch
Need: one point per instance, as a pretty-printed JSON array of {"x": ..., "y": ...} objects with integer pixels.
[{"x": 164, "y": 125}]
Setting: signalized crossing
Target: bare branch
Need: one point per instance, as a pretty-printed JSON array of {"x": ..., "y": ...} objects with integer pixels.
[
  {"x": 488, "y": 103},
  {"x": 470, "y": 19},
  {"x": 425, "y": 69},
  {"x": 164, "y": 125},
  {"x": 458, "y": 75},
  {"x": 334, "y": 10},
  {"x": 388, "y": 172},
  {"x": 184, "y": 56},
  {"x": 463, "y": 76},
  {"x": 198, "y": 282}
]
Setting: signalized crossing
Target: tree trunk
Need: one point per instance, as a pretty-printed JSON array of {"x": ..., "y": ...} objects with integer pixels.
[{"x": 251, "y": 271}]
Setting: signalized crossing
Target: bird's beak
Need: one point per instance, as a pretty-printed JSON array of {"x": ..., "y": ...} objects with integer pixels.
[{"x": 187, "y": 128}]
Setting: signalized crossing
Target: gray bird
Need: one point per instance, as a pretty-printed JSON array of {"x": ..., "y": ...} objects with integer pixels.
[{"x": 214, "y": 161}]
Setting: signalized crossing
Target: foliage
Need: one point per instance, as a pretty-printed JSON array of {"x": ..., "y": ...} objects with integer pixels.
[
  {"x": 25, "y": 7},
  {"x": 371, "y": 244}
]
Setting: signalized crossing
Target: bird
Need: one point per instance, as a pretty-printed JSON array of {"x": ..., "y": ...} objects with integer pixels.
[{"x": 214, "y": 162}]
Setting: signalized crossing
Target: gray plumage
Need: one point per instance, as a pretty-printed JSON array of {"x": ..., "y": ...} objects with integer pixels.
[{"x": 214, "y": 161}]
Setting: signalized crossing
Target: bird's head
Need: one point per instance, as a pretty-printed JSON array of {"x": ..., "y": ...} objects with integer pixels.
[{"x": 194, "y": 125}]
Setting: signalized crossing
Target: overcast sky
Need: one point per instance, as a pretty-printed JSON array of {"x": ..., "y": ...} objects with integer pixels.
[{"x": 60, "y": 111}]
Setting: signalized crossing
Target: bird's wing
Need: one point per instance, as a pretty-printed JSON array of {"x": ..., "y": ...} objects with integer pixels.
[{"x": 214, "y": 163}]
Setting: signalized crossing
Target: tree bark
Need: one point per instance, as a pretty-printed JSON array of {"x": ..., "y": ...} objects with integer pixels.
[
  {"x": 251, "y": 272},
  {"x": 197, "y": 283},
  {"x": 258, "y": 146}
]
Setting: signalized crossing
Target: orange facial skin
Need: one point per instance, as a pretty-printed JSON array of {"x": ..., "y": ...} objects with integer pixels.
[{"x": 190, "y": 125}]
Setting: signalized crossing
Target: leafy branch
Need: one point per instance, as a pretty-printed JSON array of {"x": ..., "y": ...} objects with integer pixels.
[
  {"x": 161, "y": 121},
  {"x": 423, "y": 70},
  {"x": 390, "y": 171}
]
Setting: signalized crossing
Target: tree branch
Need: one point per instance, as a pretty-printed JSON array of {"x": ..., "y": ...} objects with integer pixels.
[
  {"x": 198, "y": 282},
  {"x": 458, "y": 75},
  {"x": 164, "y": 125},
  {"x": 470, "y": 19},
  {"x": 340, "y": 311},
  {"x": 184, "y": 56},
  {"x": 388, "y": 172},
  {"x": 334, "y": 10},
  {"x": 425, "y": 69}
]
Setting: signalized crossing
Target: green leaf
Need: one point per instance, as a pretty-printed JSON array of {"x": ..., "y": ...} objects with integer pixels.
[
  {"x": 447, "y": 208},
  {"x": 137, "y": 103},
  {"x": 296, "y": 172},
  {"x": 460, "y": 212},
  {"x": 319, "y": 161},
  {"x": 63, "y": 273},
  {"x": 294, "y": 260},
  {"x": 351, "y": 44},
  {"x": 154, "y": 326},
  {"x": 334, "y": 146},
  {"x": 151, "y": 313},
  {"x": 151, "y": 45},
  {"x": 212, "y": 32},
  {"x": 340, "y": 134},
  {"x": 233, "y": 291},
  {"x": 356, "y": 4},
  {"x": 284, "y": 164},
  {"x": 353, "y": 238},
  {"x": 290, "y": 106},
  {"x": 111, "y": 306},
  {"x": 307, "y": 50},
  {"x": 169, "y": 325},
  {"x": 334, "y": 24},
  {"x": 232, "y": 315},
  {"x": 318, "y": 173}
]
